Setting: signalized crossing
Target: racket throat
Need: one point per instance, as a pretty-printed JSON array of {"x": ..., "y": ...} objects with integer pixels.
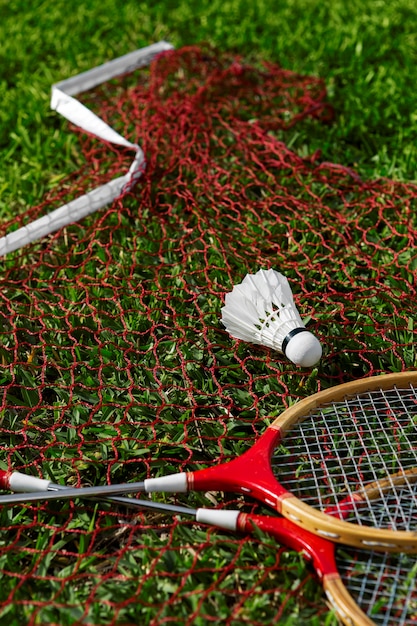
[{"x": 248, "y": 475}]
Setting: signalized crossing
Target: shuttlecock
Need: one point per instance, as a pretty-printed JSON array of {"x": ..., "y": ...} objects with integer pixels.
[{"x": 261, "y": 310}]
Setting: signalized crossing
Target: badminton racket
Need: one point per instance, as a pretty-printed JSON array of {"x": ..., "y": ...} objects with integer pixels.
[
  {"x": 341, "y": 464},
  {"x": 364, "y": 588}
]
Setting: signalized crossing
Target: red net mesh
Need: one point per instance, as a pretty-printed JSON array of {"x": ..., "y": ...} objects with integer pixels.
[{"x": 115, "y": 366}]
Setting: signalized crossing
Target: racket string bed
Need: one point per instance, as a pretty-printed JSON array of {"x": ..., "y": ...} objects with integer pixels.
[
  {"x": 340, "y": 450},
  {"x": 381, "y": 402},
  {"x": 383, "y": 585},
  {"x": 402, "y": 506}
]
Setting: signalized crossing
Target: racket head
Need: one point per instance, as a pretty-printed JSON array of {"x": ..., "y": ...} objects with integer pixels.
[
  {"x": 338, "y": 464},
  {"x": 347, "y": 460}
]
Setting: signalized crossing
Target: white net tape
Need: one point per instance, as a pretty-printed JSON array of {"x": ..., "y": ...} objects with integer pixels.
[{"x": 63, "y": 102}]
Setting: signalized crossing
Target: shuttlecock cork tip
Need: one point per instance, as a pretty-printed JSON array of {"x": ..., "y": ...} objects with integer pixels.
[{"x": 302, "y": 348}]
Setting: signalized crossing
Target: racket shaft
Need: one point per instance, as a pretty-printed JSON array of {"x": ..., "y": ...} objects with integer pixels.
[{"x": 70, "y": 493}]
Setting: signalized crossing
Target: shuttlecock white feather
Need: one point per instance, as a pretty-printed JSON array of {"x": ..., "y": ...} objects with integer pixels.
[{"x": 261, "y": 310}]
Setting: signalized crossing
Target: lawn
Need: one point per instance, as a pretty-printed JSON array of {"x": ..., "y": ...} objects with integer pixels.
[{"x": 115, "y": 365}]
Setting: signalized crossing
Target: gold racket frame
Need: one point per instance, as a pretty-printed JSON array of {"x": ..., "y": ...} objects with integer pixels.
[
  {"x": 345, "y": 607},
  {"x": 321, "y": 524}
]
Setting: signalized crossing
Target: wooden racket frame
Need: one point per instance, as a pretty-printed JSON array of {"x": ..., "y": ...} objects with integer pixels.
[{"x": 325, "y": 525}]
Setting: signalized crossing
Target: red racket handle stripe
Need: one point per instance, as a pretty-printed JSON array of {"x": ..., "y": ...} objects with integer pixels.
[{"x": 4, "y": 479}]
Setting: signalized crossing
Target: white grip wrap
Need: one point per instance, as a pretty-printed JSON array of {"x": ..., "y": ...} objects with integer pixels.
[
  {"x": 222, "y": 519},
  {"x": 174, "y": 483},
  {"x": 22, "y": 483}
]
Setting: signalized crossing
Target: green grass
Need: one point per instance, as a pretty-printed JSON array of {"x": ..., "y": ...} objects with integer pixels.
[{"x": 103, "y": 382}]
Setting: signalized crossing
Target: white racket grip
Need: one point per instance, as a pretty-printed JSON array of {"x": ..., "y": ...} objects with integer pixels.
[
  {"x": 222, "y": 519},
  {"x": 174, "y": 483},
  {"x": 23, "y": 483}
]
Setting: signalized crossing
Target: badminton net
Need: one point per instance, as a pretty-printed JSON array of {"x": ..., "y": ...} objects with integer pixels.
[{"x": 114, "y": 364}]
